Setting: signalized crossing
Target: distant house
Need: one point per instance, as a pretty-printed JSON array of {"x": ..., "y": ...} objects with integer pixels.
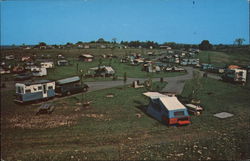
[{"x": 86, "y": 57}]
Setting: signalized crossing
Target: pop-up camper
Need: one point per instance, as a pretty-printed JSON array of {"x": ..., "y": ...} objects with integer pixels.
[{"x": 167, "y": 109}]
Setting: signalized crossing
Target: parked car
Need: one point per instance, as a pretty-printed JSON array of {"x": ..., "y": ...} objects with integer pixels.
[
  {"x": 23, "y": 76},
  {"x": 69, "y": 86}
]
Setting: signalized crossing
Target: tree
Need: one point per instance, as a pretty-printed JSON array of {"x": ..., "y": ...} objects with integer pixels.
[
  {"x": 239, "y": 41},
  {"x": 42, "y": 44},
  {"x": 196, "y": 85},
  {"x": 205, "y": 45},
  {"x": 79, "y": 42},
  {"x": 101, "y": 40}
]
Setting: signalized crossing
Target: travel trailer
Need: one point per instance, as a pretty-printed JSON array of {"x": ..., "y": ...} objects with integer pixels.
[
  {"x": 235, "y": 75},
  {"x": 34, "y": 91},
  {"x": 38, "y": 72},
  {"x": 47, "y": 64}
]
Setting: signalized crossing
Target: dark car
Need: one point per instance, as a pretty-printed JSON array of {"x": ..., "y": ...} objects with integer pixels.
[{"x": 70, "y": 86}]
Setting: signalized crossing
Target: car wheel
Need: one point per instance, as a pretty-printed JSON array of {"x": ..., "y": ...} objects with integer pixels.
[{"x": 68, "y": 93}]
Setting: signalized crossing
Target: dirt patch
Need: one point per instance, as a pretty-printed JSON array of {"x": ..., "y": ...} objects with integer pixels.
[
  {"x": 96, "y": 116},
  {"x": 42, "y": 121}
]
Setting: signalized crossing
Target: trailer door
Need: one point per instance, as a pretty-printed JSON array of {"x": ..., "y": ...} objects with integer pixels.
[{"x": 45, "y": 91}]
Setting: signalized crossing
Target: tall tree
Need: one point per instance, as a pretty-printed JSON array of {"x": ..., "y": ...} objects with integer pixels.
[
  {"x": 239, "y": 41},
  {"x": 205, "y": 45}
]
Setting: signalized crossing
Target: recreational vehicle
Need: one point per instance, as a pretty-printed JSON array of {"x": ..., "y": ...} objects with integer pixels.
[
  {"x": 47, "y": 64},
  {"x": 34, "y": 91},
  {"x": 70, "y": 85},
  {"x": 167, "y": 109},
  {"x": 235, "y": 75},
  {"x": 38, "y": 72}
]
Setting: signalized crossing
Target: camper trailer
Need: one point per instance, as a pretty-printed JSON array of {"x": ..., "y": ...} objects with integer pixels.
[
  {"x": 70, "y": 85},
  {"x": 62, "y": 62},
  {"x": 47, "y": 64},
  {"x": 34, "y": 91},
  {"x": 235, "y": 75},
  {"x": 38, "y": 72},
  {"x": 167, "y": 109}
]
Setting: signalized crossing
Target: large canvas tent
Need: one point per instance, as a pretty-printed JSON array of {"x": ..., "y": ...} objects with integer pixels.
[{"x": 167, "y": 109}]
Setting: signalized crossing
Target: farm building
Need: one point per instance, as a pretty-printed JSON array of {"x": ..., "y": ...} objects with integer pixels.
[
  {"x": 47, "y": 64},
  {"x": 167, "y": 109},
  {"x": 34, "y": 90},
  {"x": 86, "y": 57}
]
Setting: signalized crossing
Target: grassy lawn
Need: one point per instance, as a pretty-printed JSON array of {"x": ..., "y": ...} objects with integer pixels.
[
  {"x": 117, "y": 128},
  {"x": 222, "y": 58},
  {"x": 120, "y": 69}
]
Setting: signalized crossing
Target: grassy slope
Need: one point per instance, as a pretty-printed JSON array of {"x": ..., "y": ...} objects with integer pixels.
[
  {"x": 121, "y": 135},
  {"x": 222, "y": 58}
]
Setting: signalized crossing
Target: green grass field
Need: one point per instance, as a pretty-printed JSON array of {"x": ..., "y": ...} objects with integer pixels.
[
  {"x": 117, "y": 127},
  {"x": 222, "y": 58},
  {"x": 120, "y": 69}
]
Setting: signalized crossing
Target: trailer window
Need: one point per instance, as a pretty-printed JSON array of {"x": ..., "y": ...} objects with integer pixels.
[
  {"x": 39, "y": 87},
  {"x": 240, "y": 73},
  {"x": 179, "y": 113},
  {"x": 19, "y": 90},
  {"x": 50, "y": 87},
  {"x": 27, "y": 91}
]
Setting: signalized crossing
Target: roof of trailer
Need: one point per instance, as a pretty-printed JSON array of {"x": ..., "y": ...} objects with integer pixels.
[
  {"x": 28, "y": 83},
  {"x": 68, "y": 80},
  {"x": 171, "y": 103}
]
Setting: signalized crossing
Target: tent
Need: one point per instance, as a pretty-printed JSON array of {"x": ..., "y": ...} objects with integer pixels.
[{"x": 167, "y": 109}]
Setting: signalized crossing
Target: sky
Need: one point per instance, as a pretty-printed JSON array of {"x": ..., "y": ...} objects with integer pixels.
[{"x": 180, "y": 21}]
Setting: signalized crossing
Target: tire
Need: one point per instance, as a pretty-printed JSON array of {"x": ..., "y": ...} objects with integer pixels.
[{"x": 68, "y": 93}]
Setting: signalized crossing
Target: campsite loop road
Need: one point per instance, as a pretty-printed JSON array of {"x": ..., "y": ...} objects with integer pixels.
[{"x": 175, "y": 84}]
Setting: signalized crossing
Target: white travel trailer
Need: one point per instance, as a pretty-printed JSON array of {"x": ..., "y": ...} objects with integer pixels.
[
  {"x": 47, "y": 64},
  {"x": 38, "y": 72}
]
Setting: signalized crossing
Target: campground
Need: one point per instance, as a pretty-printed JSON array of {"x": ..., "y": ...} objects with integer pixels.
[{"x": 115, "y": 125}]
